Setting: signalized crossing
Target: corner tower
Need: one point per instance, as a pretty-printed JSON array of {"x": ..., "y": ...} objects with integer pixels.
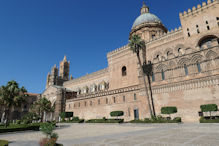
[
  {"x": 64, "y": 69},
  {"x": 147, "y": 25}
]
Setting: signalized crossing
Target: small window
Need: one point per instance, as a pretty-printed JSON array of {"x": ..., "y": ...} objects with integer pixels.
[
  {"x": 198, "y": 31},
  {"x": 163, "y": 75},
  {"x": 196, "y": 26},
  {"x": 206, "y": 22},
  {"x": 135, "y": 97},
  {"x": 153, "y": 77},
  {"x": 186, "y": 70},
  {"x": 153, "y": 36},
  {"x": 85, "y": 103},
  {"x": 168, "y": 53},
  {"x": 187, "y": 29},
  {"x": 217, "y": 18},
  {"x": 179, "y": 50},
  {"x": 90, "y": 103},
  {"x": 124, "y": 71},
  {"x": 114, "y": 99},
  {"x": 199, "y": 67},
  {"x": 189, "y": 35},
  {"x": 208, "y": 28},
  {"x": 123, "y": 98},
  {"x": 107, "y": 101},
  {"x": 98, "y": 101}
]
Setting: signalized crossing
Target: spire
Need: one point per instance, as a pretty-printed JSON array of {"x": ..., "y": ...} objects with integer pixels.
[
  {"x": 65, "y": 59},
  {"x": 144, "y": 9}
]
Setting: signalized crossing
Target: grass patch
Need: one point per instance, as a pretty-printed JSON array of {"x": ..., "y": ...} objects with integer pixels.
[{"x": 3, "y": 143}]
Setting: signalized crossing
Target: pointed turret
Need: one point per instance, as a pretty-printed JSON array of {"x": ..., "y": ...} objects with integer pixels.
[{"x": 64, "y": 69}]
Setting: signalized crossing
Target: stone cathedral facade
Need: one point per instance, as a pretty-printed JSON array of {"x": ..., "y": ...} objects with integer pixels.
[{"x": 185, "y": 71}]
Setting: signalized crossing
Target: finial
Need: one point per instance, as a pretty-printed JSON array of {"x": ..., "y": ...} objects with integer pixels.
[{"x": 144, "y": 9}]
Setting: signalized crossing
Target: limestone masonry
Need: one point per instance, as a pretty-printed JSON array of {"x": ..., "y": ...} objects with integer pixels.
[{"x": 185, "y": 71}]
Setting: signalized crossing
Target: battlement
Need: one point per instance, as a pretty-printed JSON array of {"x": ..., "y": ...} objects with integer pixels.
[
  {"x": 199, "y": 8},
  {"x": 117, "y": 50},
  {"x": 86, "y": 77},
  {"x": 171, "y": 32}
]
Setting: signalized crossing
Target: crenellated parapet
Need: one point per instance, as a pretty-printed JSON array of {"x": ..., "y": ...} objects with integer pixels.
[
  {"x": 117, "y": 50},
  {"x": 86, "y": 77},
  {"x": 199, "y": 8},
  {"x": 165, "y": 35}
]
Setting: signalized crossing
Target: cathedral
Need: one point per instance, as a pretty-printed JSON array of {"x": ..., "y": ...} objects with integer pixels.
[{"x": 185, "y": 71}]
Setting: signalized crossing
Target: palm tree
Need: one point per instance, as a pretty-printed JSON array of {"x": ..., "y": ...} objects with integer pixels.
[
  {"x": 11, "y": 96},
  {"x": 42, "y": 106},
  {"x": 136, "y": 45}
]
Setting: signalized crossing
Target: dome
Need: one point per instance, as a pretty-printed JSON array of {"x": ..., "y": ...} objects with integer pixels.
[{"x": 146, "y": 18}]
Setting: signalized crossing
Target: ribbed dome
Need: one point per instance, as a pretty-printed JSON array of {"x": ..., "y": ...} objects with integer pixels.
[{"x": 146, "y": 18}]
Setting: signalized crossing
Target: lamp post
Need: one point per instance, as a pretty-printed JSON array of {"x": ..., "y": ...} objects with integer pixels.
[{"x": 147, "y": 69}]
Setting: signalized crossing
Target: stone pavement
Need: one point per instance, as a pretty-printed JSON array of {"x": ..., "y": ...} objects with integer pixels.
[{"x": 125, "y": 135}]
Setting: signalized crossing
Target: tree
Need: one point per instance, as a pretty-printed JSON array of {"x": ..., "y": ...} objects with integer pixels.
[
  {"x": 136, "y": 45},
  {"x": 11, "y": 95},
  {"x": 42, "y": 106},
  {"x": 116, "y": 114},
  {"x": 209, "y": 108},
  {"x": 168, "y": 110}
]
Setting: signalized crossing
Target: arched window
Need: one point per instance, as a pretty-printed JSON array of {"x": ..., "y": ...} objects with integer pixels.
[
  {"x": 114, "y": 99},
  {"x": 153, "y": 77},
  {"x": 207, "y": 42},
  {"x": 179, "y": 50},
  {"x": 163, "y": 75},
  {"x": 124, "y": 71},
  {"x": 199, "y": 67},
  {"x": 135, "y": 96},
  {"x": 186, "y": 70}
]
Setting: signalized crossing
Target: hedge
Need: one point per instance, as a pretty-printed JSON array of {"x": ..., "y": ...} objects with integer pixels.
[
  {"x": 168, "y": 110},
  {"x": 158, "y": 120},
  {"x": 203, "y": 120},
  {"x": 21, "y": 127},
  {"x": 116, "y": 113},
  {"x": 105, "y": 121},
  {"x": 209, "y": 108},
  {"x": 3, "y": 143}
]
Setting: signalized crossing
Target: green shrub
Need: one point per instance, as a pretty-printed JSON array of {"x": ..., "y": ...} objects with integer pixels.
[
  {"x": 177, "y": 119},
  {"x": 168, "y": 110},
  {"x": 203, "y": 120},
  {"x": 18, "y": 121},
  {"x": 105, "y": 121},
  {"x": 20, "y": 127},
  {"x": 209, "y": 108},
  {"x": 3, "y": 143},
  {"x": 47, "y": 128},
  {"x": 158, "y": 119},
  {"x": 116, "y": 113}
]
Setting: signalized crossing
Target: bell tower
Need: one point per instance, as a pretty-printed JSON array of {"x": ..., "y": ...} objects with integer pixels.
[{"x": 64, "y": 69}]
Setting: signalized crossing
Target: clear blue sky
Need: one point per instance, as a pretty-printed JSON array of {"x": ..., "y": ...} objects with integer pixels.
[{"x": 36, "y": 34}]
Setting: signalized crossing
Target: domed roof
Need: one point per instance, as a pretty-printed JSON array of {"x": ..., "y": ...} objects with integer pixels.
[{"x": 146, "y": 18}]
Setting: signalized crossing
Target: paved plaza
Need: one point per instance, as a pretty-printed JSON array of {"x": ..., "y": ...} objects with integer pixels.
[{"x": 124, "y": 135}]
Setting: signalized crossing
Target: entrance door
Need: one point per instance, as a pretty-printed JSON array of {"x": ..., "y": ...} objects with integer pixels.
[{"x": 136, "y": 114}]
